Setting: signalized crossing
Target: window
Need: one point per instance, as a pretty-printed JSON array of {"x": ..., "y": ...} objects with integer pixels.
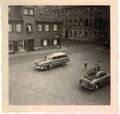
[
  {"x": 80, "y": 33},
  {"x": 46, "y": 27},
  {"x": 86, "y": 22},
  {"x": 55, "y": 28},
  {"x": 71, "y": 22},
  {"x": 44, "y": 42},
  {"x": 86, "y": 33},
  {"x": 28, "y": 27},
  {"x": 55, "y": 58},
  {"x": 31, "y": 12},
  {"x": 80, "y": 22},
  {"x": 70, "y": 33},
  {"x": 10, "y": 45},
  {"x": 62, "y": 13},
  {"x": 10, "y": 28},
  {"x": 18, "y": 28},
  {"x": 26, "y": 11},
  {"x": 75, "y": 33},
  {"x": 75, "y": 22},
  {"x": 39, "y": 27},
  {"x": 55, "y": 42}
]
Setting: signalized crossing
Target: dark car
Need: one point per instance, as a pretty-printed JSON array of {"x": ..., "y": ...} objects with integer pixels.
[{"x": 92, "y": 80}]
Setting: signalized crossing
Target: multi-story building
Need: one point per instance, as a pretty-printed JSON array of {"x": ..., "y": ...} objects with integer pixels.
[
  {"x": 31, "y": 30},
  {"x": 84, "y": 23}
]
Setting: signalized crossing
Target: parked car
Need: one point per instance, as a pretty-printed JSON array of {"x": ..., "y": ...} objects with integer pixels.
[
  {"x": 52, "y": 60},
  {"x": 93, "y": 81}
]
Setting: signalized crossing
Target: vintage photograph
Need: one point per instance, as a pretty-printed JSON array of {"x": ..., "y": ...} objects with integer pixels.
[{"x": 59, "y": 55}]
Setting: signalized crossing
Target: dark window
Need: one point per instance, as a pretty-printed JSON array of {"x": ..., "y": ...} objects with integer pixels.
[
  {"x": 70, "y": 22},
  {"x": 86, "y": 33},
  {"x": 75, "y": 34},
  {"x": 102, "y": 74},
  {"x": 10, "y": 45},
  {"x": 80, "y": 22},
  {"x": 86, "y": 22},
  {"x": 55, "y": 58},
  {"x": 59, "y": 57},
  {"x": 75, "y": 22}
]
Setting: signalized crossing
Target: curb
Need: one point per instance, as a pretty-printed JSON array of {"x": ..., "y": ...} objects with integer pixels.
[{"x": 37, "y": 52}]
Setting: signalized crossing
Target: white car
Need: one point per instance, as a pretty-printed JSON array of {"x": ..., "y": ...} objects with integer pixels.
[{"x": 52, "y": 60}]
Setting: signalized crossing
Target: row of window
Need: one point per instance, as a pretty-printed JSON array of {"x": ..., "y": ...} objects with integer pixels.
[
  {"x": 78, "y": 11},
  {"x": 84, "y": 33},
  {"x": 47, "y": 28},
  {"x": 18, "y": 27},
  {"x": 26, "y": 11},
  {"x": 21, "y": 45},
  {"x": 85, "y": 22}
]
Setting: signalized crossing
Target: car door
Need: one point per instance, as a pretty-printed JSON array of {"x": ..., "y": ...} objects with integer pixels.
[
  {"x": 107, "y": 79},
  {"x": 101, "y": 78},
  {"x": 54, "y": 61}
]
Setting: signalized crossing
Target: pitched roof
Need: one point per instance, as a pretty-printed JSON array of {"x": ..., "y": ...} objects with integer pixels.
[
  {"x": 14, "y": 15},
  {"x": 46, "y": 17}
]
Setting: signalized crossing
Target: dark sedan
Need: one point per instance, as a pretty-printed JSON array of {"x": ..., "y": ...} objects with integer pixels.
[{"x": 93, "y": 81}]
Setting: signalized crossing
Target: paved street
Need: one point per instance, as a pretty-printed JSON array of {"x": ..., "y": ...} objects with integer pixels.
[{"x": 58, "y": 86}]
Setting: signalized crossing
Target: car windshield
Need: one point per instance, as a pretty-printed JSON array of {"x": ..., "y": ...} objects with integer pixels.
[
  {"x": 91, "y": 73},
  {"x": 47, "y": 57}
]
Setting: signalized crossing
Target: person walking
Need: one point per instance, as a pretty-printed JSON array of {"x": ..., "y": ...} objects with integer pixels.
[
  {"x": 85, "y": 63},
  {"x": 98, "y": 62}
]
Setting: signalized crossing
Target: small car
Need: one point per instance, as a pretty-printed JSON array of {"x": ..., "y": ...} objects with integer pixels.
[
  {"x": 92, "y": 80},
  {"x": 52, "y": 60}
]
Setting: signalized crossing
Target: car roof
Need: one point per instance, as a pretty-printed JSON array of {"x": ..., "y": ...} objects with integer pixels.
[{"x": 57, "y": 54}]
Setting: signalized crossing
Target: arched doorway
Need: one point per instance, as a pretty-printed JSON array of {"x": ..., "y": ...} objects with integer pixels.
[{"x": 45, "y": 42}]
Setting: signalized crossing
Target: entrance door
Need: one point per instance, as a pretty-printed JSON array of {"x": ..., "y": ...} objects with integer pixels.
[
  {"x": 15, "y": 47},
  {"x": 66, "y": 34},
  {"x": 55, "y": 42},
  {"x": 31, "y": 45},
  {"x": 45, "y": 43},
  {"x": 20, "y": 46}
]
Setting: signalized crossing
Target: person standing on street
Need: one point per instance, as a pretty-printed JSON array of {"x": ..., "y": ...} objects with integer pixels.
[{"x": 85, "y": 63}]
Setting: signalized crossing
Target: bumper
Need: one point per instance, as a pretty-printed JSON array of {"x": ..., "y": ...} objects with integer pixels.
[
  {"x": 87, "y": 86},
  {"x": 38, "y": 67}
]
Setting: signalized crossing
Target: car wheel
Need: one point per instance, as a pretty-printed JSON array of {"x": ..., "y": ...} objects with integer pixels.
[{"x": 46, "y": 68}]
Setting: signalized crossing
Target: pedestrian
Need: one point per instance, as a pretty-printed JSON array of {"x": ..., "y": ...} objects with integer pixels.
[
  {"x": 98, "y": 62},
  {"x": 97, "y": 68},
  {"x": 85, "y": 63}
]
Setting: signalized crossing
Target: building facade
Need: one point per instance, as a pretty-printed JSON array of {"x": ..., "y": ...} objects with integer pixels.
[
  {"x": 84, "y": 23},
  {"x": 30, "y": 30}
]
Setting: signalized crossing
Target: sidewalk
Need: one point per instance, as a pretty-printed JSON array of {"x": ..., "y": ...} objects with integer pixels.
[
  {"x": 38, "y": 52},
  {"x": 102, "y": 49}
]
